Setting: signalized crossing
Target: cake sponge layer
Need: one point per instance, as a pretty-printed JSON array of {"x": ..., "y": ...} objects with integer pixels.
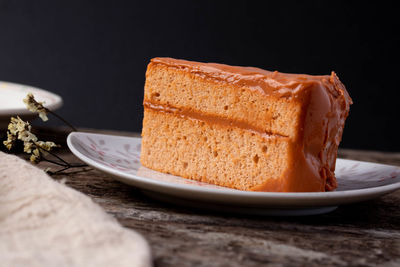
[
  {"x": 216, "y": 153},
  {"x": 167, "y": 85}
]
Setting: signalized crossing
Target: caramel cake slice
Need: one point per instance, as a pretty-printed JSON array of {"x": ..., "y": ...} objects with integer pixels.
[{"x": 242, "y": 127}]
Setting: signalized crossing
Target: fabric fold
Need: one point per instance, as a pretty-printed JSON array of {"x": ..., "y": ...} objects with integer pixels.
[{"x": 45, "y": 223}]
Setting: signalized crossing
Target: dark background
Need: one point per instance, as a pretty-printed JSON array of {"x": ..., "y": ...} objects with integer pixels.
[{"x": 94, "y": 53}]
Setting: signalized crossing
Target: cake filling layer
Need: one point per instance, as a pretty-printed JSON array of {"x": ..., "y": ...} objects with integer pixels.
[{"x": 211, "y": 119}]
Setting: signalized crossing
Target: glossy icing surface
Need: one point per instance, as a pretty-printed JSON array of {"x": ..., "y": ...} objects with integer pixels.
[{"x": 268, "y": 82}]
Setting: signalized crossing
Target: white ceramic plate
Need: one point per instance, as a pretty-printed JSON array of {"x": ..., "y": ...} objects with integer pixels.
[
  {"x": 119, "y": 157},
  {"x": 11, "y": 104}
]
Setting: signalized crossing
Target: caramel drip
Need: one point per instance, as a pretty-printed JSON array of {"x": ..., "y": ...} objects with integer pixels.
[
  {"x": 313, "y": 153},
  {"x": 207, "y": 118}
]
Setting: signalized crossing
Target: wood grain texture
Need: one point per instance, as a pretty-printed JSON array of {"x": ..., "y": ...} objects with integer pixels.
[{"x": 363, "y": 234}]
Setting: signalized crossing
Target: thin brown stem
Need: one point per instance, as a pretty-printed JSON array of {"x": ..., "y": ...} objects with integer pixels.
[
  {"x": 64, "y": 164},
  {"x": 69, "y": 173},
  {"x": 62, "y": 119},
  {"x": 78, "y": 165},
  {"x": 58, "y": 171},
  {"x": 54, "y": 162},
  {"x": 51, "y": 153}
]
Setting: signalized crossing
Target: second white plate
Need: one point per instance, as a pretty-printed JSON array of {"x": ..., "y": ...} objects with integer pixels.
[{"x": 119, "y": 157}]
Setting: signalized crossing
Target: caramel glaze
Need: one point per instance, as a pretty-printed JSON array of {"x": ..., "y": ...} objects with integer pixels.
[{"x": 313, "y": 152}]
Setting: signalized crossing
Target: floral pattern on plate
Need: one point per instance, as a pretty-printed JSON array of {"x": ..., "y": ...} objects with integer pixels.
[
  {"x": 120, "y": 157},
  {"x": 125, "y": 156}
]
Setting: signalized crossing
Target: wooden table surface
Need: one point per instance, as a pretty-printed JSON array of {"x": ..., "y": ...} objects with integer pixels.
[{"x": 363, "y": 234}]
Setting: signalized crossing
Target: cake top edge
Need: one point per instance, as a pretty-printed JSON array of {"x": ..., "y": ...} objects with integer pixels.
[
  {"x": 242, "y": 70},
  {"x": 284, "y": 84}
]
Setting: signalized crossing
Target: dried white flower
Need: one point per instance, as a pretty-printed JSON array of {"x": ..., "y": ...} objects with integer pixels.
[
  {"x": 9, "y": 143},
  {"x": 35, "y": 156},
  {"x": 21, "y": 130},
  {"x": 27, "y": 136},
  {"x": 35, "y": 106},
  {"x": 46, "y": 145},
  {"x": 28, "y": 146}
]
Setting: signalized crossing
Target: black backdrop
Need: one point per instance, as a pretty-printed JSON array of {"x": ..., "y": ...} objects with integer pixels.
[{"x": 94, "y": 53}]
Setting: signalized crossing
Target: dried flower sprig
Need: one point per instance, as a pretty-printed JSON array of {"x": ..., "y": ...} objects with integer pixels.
[
  {"x": 19, "y": 130},
  {"x": 35, "y": 106}
]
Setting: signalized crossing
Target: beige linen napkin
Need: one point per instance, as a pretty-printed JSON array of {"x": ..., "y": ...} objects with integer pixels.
[{"x": 45, "y": 223}]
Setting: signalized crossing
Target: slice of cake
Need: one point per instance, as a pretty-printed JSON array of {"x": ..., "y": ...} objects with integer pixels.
[{"x": 242, "y": 127}]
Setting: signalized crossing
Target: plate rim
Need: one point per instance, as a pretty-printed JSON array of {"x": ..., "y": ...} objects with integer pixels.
[
  {"x": 28, "y": 88},
  {"x": 326, "y": 198}
]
